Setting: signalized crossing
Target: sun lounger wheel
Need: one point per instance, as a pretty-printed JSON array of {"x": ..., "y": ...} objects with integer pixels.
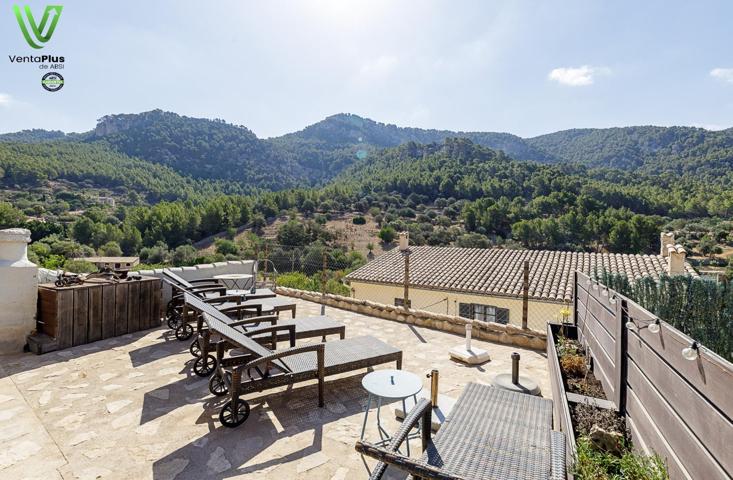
[
  {"x": 204, "y": 366},
  {"x": 174, "y": 321},
  {"x": 195, "y": 348},
  {"x": 217, "y": 385},
  {"x": 184, "y": 332},
  {"x": 233, "y": 417}
]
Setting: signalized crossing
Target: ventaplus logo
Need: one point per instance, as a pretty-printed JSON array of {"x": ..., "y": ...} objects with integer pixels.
[{"x": 34, "y": 31}]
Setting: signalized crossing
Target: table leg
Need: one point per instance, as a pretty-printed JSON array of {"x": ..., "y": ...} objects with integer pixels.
[
  {"x": 404, "y": 410},
  {"x": 366, "y": 415},
  {"x": 383, "y": 435}
]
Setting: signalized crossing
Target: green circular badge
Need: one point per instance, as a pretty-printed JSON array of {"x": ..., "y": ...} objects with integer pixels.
[{"x": 52, "y": 81}]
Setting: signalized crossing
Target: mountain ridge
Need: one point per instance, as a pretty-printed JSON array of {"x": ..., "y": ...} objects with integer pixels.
[{"x": 213, "y": 149}]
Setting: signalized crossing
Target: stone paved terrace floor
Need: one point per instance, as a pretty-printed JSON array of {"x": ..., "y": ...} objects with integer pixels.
[{"x": 129, "y": 407}]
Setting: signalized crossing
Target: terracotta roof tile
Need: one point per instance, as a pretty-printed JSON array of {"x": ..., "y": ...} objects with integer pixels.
[{"x": 499, "y": 271}]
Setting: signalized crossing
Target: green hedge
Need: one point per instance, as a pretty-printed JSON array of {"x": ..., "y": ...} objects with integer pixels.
[{"x": 703, "y": 309}]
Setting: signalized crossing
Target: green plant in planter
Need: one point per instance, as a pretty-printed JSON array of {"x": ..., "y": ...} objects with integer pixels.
[
  {"x": 591, "y": 464},
  {"x": 565, "y": 346}
]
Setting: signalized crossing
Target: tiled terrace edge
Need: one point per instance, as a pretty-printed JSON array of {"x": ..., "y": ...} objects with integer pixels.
[{"x": 493, "y": 332}]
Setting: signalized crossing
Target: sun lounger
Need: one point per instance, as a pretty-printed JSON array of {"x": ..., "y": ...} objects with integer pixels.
[
  {"x": 260, "y": 368},
  {"x": 489, "y": 434},
  {"x": 255, "y": 327}
]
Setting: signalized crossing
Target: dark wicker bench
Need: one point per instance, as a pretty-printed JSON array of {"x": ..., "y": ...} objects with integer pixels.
[
  {"x": 489, "y": 434},
  {"x": 257, "y": 327},
  {"x": 258, "y": 368}
]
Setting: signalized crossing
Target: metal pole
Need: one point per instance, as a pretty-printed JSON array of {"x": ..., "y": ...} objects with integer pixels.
[
  {"x": 525, "y": 295},
  {"x": 515, "y": 368}
]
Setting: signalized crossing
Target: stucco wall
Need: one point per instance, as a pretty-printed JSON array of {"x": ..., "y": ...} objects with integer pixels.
[{"x": 446, "y": 303}]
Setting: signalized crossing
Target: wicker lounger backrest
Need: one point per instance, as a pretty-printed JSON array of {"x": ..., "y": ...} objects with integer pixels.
[
  {"x": 219, "y": 323},
  {"x": 177, "y": 278}
]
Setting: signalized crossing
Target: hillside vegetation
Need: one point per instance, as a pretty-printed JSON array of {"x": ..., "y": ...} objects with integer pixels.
[{"x": 178, "y": 179}]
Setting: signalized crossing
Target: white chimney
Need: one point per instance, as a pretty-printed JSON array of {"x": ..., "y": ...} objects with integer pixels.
[
  {"x": 665, "y": 239},
  {"x": 18, "y": 290},
  {"x": 404, "y": 241},
  {"x": 676, "y": 259}
]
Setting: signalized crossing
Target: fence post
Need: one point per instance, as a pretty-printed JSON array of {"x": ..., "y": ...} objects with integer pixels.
[
  {"x": 405, "y": 249},
  {"x": 575, "y": 297},
  {"x": 266, "y": 257},
  {"x": 323, "y": 283},
  {"x": 622, "y": 337},
  {"x": 406, "y": 294},
  {"x": 525, "y": 295}
]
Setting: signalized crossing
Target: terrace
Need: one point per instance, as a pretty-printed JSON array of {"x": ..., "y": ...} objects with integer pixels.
[
  {"x": 129, "y": 407},
  {"x": 120, "y": 397}
]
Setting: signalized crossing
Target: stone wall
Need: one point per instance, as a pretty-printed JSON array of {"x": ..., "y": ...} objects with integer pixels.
[{"x": 493, "y": 332}]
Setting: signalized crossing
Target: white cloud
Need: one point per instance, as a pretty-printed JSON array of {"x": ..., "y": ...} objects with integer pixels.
[
  {"x": 723, "y": 74},
  {"x": 577, "y": 76},
  {"x": 5, "y": 99}
]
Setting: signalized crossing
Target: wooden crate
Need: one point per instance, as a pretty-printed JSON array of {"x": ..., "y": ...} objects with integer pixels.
[{"x": 98, "y": 309}]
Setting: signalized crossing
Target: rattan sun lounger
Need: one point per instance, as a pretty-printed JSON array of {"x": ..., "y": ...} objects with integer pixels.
[
  {"x": 255, "y": 327},
  {"x": 210, "y": 289},
  {"x": 489, "y": 434},
  {"x": 260, "y": 368}
]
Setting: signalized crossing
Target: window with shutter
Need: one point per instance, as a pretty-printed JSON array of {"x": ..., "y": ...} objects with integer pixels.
[{"x": 484, "y": 313}]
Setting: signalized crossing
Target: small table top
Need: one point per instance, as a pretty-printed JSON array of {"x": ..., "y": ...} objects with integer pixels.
[
  {"x": 392, "y": 383},
  {"x": 233, "y": 276}
]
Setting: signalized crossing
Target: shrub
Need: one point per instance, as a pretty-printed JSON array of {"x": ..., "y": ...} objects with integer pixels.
[
  {"x": 359, "y": 220},
  {"x": 80, "y": 266},
  {"x": 110, "y": 249},
  {"x": 387, "y": 234},
  {"x": 225, "y": 247},
  {"x": 298, "y": 280}
]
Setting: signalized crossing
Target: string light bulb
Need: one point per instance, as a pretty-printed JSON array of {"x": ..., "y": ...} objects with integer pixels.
[
  {"x": 691, "y": 353},
  {"x": 655, "y": 327},
  {"x": 630, "y": 325}
]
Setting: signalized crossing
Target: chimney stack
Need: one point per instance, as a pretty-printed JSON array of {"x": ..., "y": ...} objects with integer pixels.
[
  {"x": 404, "y": 241},
  {"x": 665, "y": 239},
  {"x": 676, "y": 259}
]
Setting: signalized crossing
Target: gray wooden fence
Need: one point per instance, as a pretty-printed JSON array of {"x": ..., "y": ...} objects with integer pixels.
[{"x": 678, "y": 408}]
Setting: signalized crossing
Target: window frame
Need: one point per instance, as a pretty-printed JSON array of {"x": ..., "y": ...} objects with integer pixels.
[{"x": 485, "y": 313}]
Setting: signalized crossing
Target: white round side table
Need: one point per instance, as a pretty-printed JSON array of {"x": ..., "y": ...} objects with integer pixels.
[{"x": 389, "y": 385}]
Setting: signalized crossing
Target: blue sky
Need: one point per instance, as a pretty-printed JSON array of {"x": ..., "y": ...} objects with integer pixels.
[{"x": 276, "y": 66}]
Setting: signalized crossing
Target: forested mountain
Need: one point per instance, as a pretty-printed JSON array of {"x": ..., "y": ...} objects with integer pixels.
[
  {"x": 550, "y": 206},
  {"x": 214, "y": 149},
  {"x": 201, "y": 148},
  {"x": 24, "y": 166},
  {"x": 329, "y": 146},
  {"x": 177, "y": 179},
  {"x": 653, "y": 150},
  {"x": 34, "y": 136}
]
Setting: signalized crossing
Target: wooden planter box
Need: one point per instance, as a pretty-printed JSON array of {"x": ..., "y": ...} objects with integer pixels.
[
  {"x": 98, "y": 309},
  {"x": 561, "y": 397}
]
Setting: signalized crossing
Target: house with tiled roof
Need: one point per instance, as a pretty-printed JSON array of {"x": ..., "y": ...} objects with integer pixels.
[{"x": 488, "y": 284}]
